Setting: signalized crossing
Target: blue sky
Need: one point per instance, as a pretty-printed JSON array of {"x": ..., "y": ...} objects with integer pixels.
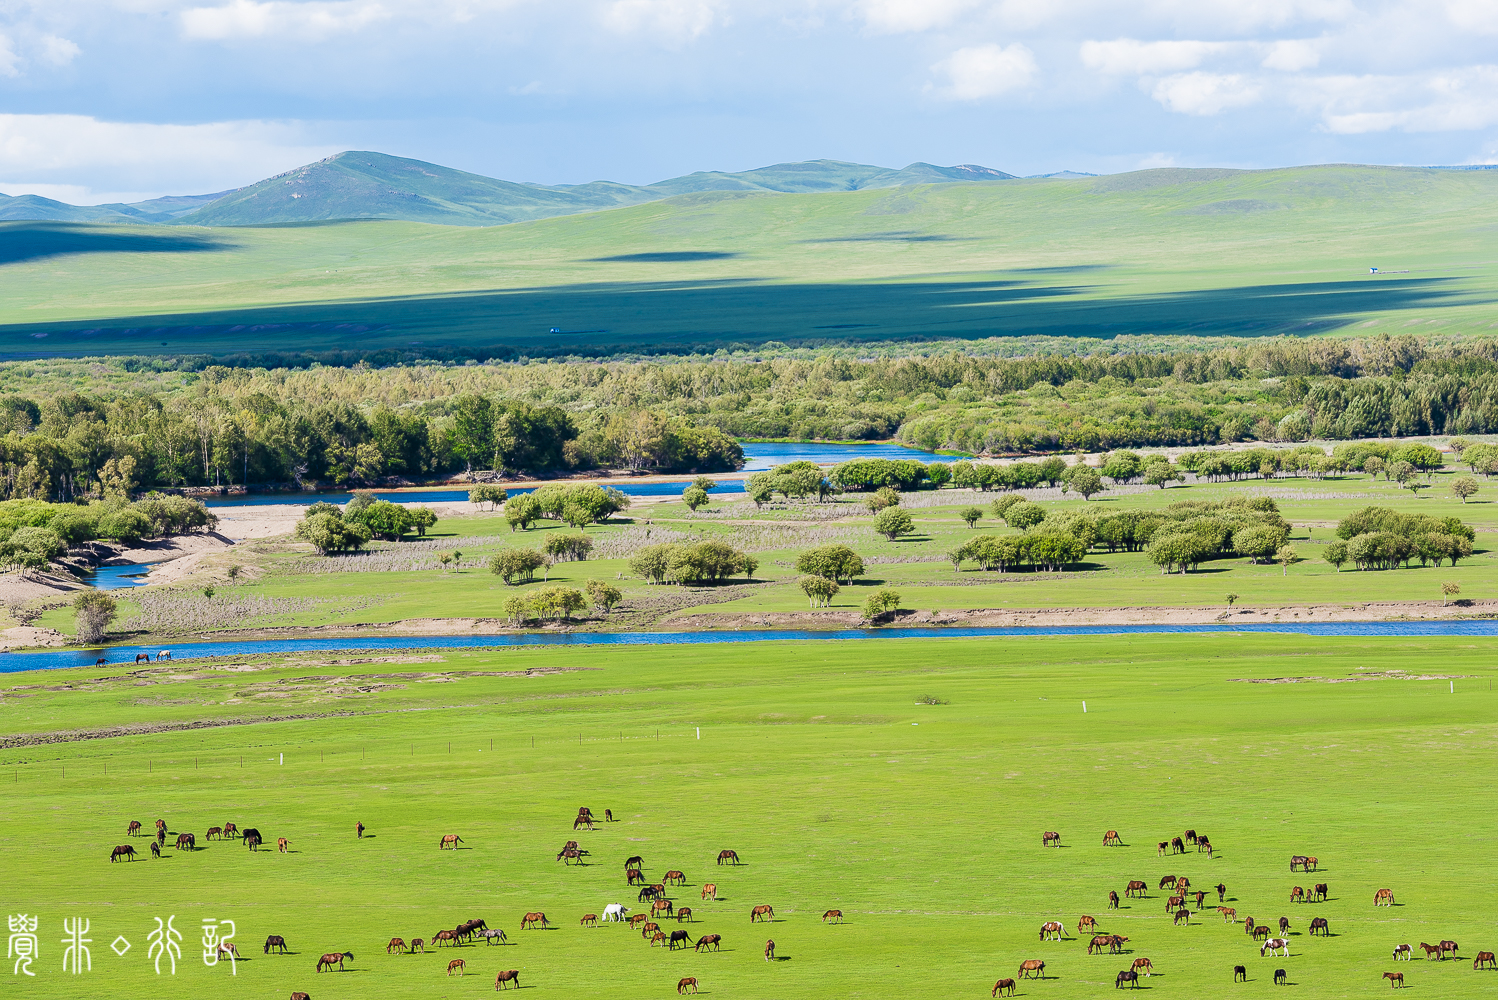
[{"x": 119, "y": 99}]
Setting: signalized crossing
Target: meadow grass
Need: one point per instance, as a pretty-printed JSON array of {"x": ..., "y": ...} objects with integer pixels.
[{"x": 817, "y": 764}]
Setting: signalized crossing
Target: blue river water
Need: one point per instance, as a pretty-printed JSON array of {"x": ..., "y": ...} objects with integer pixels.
[
  {"x": 758, "y": 458},
  {"x": 53, "y": 659}
]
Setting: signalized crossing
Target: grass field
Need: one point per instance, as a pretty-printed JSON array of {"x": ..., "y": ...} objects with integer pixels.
[
  {"x": 1165, "y": 251},
  {"x": 816, "y": 763}
]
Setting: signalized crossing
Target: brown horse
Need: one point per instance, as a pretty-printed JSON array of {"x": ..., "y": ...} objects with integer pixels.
[
  {"x": 1136, "y": 887},
  {"x": 449, "y": 841},
  {"x": 1099, "y": 944},
  {"x": 1396, "y": 979},
  {"x": 1145, "y": 964},
  {"x": 395, "y": 947},
  {"x": 1190, "y": 836},
  {"x": 674, "y": 877},
  {"x": 1320, "y": 924},
  {"x": 1126, "y": 976},
  {"x": 1284, "y": 926},
  {"x": 1448, "y": 946},
  {"x": 1112, "y": 900},
  {"x": 1034, "y": 965},
  {"x": 649, "y": 928},
  {"x": 300, "y": 996},
  {"x": 532, "y": 919},
  {"x": 1182, "y": 884},
  {"x": 508, "y": 976},
  {"x": 684, "y": 914},
  {"x": 1297, "y": 893},
  {"x": 1432, "y": 949},
  {"x": 1240, "y": 972},
  {"x": 333, "y": 958},
  {"x": 634, "y": 862},
  {"x": 1112, "y": 839},
  {"x": 359, "y": 829},
  {"x": 1183, "y": 916},
  {"x": 588, "y": 920},
  {"x": 713, "y": 942},
  {"x": 836, "y": 916},
  {"x": 1203, "y": 845},
  {"x": 417, "y": 944},
  {"x": 1049, "y": 838},
  {"x": 678, "y": 937},
  {"x": 230, "y": 830},
  {"x": 282, "y": 845},
  {"x": 1161, "y": 848},
  {"x": 1248, "y": 926},
  {"x": 633, "y": 876},
  {"x": 1052, "y": 928},
  {"x": 123, "y": 851},
  {"x": 681, "y": 985},
  {"x": 155, "y": 849},
  {"x": 134, "y": 828},
  {"x": 569, "y": 855},
  {"x": 1319, "y": 892},
  {"x": 1222, "y": 890},
  {"x": 661, "y": 906},
  {"x": 1086, "y": 923},
  {"x": 657, "y": 938},
  {"x": 1174, "y": 903},
  {"x": 728, "y": 857},
  {"x": 1300, "y": 861},
  {"x": 770, "y": 950},
  {"x": 161, "y": 825},
  {"x": 1261, "y": 931},
  {"x": 1003, "y": 984},
  {"x": 186, "y": 842},
  {"x": 1168, "y": 882},
  {"x": 1177, "y": 846},
  {"x": 1201, "y": 898},
  {"x": 444, "y": 937},
  {"x": 638, "y": 919},
  {"x": 586, "y": 821},
  {"x": 608, "y": 815},
  {"x": 456, "y": 965},
  {"x": 764, "y": 911},
  {"x": 1485, "y": 958},
  {"x": 251, "y": 838},
  {"x": 1116, "y": 943},
  {"x": 214, "y": 831},
  {"x": 710, "y": 891},
  {"x": 275, "y": 941},
  {"x": 1383, "y": 897}
]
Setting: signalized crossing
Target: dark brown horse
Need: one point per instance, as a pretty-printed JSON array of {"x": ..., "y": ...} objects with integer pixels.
[
  {"x": 1099, "y": 944},
  {"x": 1183, "y": 916},
  {"x": 444, "y": 937},
  {"x": 1003, "y": 984},
  {"x": 1201, "y": 898},
  {"x": 570, "y": 855},
  {"x": 1284, "y": 926},
  {"x": 728, "y": 857},
  {"x": 1279, "y": 978},
  {"x": 123, "y": 851},
  {"x": 1203, "y": 845},
  {"x": 333, "y": 958},
  {"x": 1448, "y": 946},
  {"x": 1177, "y": 846},
  {"x": 674, "y": 877},
  {"x": 1050, "y": 838},
  {"x": 186, "y": 842},
  {"x": 1126, "y": 976},
  {"x": 1112, "y": 900},
  {"x": 1222, "y": 890},
  {"x": 1320, "y": 924},
  {"x": 770, "y": 950},
  {"x": 275, "y": 941},
  {"x": 214, "y": 831},
  {"x": 1297, "y": 894},
  {"x": 359, "y": 829},
  {"x": 712, "y": 942},
  {"x": 1168, "y": 882},
  {"x": 634, "y": 862},
  {"x": 684, "y": 914},
  {"x": 507, "y": 976},
  {"x": 633, "y": 876},
  {"x": 1319, "y": 892},
  {"x": 1485, "y": 959},
  {"x": 1240, "y": 973},
  {"x": 134, "y": 829},
  {"x": 678, "y": 937},
  {"x": 230, "y": 830},
  {"x": 1432, "y": 949},
  {"x": 1190, "y": 836},
  {"x": 155, "y": 849}
]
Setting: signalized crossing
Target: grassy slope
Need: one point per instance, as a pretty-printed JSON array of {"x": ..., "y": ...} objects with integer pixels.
[
  {"x": 926, "y": 835},
  {"x": 1161, "y": 251}
]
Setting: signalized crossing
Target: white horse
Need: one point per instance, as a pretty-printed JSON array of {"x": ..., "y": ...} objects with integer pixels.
[
  {"x": 1273, "y": 945},
  {"x": 165, "y": 654},
  {"x": 614, "y": 911}
]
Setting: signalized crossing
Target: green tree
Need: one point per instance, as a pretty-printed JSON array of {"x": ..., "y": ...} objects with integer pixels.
[
  {"x": 819, "y": 590},
  {"x": 329, "y": 533},
  {"x": 705, "y": 483},
  {"x": 557, "y": 602},
  {"x": 1231, "y": 599},
  {"x": 971, "y": 515},
  {"x": 1259, "y": 541},
  {"x": 694, "y": 497},
  {"x": 494, "y": 496},
  {"x": 760, "y": 492},
  {"x": 881, "y": 602},
  {"x": 603, "y": 595},
  {"x": 1449, "y": 589},
  {"x": 516, "y": 566},
  {"x": 835, "y": 562},
  {"x": 568, "y": 548},
  {"x": 1084, "y": 480},
  {"x": 1400, "y": 472},
  {"x": 1464, "y": 487},
  {"x": 1052, "y": 470},
  {"x": 93, "y": 611},
  {"x": 517, "y": 609},
  {"x": 892, "y": 522},
  {"x": 472, "y": 433},
  {"x": 1162, "y": 473},
  {"x": 1335, "y": 554},
  {"x": 938, "y": 474},
  {"x": 1024, "y": 516},
  {"x": 653, "y": 562},
  {"x": 881, "y": 499},
  {"x": 522, "y": 511},
  {"x": 1373, "y": 466},
  {"x": 1285, "y": 556}
]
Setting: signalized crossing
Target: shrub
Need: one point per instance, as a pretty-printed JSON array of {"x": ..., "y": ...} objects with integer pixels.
[
  {"x": 1024, "y": 516},
  {"x": 568, "y": 548},
  {"x": 835, "y": 562},
  {"x": 881, "y": 602},
  {"x": 819, "y": 590},
  {"x": 522, "y": 511},
  {"x": 694, "y": 497},
  {"x": 494, "y": 496},
  {"x": 971, "y": 515},
  {"x": 603, "y": 595},
  {"x": 95, "y": 610},
  {"x": 516, "y": 566},
  {"x": 892, "y": 522},
  {"x": 125, "y": 525}
]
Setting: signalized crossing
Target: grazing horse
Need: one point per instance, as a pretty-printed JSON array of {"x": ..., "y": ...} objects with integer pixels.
[
  {"x": 1222, "y": 890},
  {"x": 214, "y": 831},
  {"x": 661, "y": 906},
  {"x": 712, "y": 942},
  {"x": 1168, "y": 882},
  {"x": 300, "y": 996},
  {"x": 165, "y": 654},
  {"x": 417, "y": 944},
  {"x": 1003, "y": 984},
  {"x": 588, "y": 920},
  {"x": 1297, "y": 893},
  {"x": 532, "y": 919},
  {"x": 230, "y": 830},
  {"x": 142, "y": 656},
  {"x": 1098, "y": 943},
  {"x": 1279, "y": 978},
  {"x": 282, "y": 845},
  {"x": 449, "y": 840},
  {"x": 252, "y": 839},
  {"x": 161, "y": 825},
  {"x": 507, "y": 976},
  {"x": 764, "y": 911},
  {"x": 1146, "y": 965},
  {"x": 1240, "y": 973},
  {"x": 638, "y": 919},
  {"x": 1161, "y": 848},
  {"x": 134, "y": 829},
  {"x": 155, "y": 849},
  {"x": 1273, "y": 945},
  {"x": 728, "y": 857},
  {"x": 1049, "y": 838},
  {"x": 456, "y": 965},
  {"x": 1261, "y": 931},
  {"x": 493, "y": 936},
  {"x": 1174, "y": 903},
  {"x": 1319, "y": 892},
  {"x": 1299, "y": 861},
  {"x": 275, "y": 941},
  {"x": 1034, "y": 965},
  {"x": 684, "y": 914},
  {"x": 123, "y": 851},
  {"x": 633, "y": 876},
  {"x": 1396, "y": 979},
  {"x": 187, "y": 842},
  {"x": 1182, "y": 884},
  {"x": 1229, "y": 915},
  {"x": 101, "y": 661},
  {"x": 1127, "y": 976},
  {"x": 586, "y": 821},
  {"x": 1432, "y": 949},
  {"x": 1136, "y": 887},
  {"x": 1051, "y": 928},
  {"x": 770, "y": 950},
  {"x": 681, "y": 985},
  {"x": 1383, "y": 897},
  {"x": 608, "y": 815},
  {"x": 1203, "y": 845},
  {"x": 396, "y": 947},
  {"x": 1404, "y": 951},
  {"x": 1485, "y": 958},
  {"x": 614, "y": 912},
  {"x": 1320, "y": 924},
  {"x": 1176, "y": 846},
  {"x": 333, "y": 958},
  {"x": 1284, "y": 926},
  {"x": 1311, "y": 863},
  {"x": 649, "y": 892},
  {"x": 634, "y": 862},
  {"x": 678, "y": 936},
  {"x": 1183, "y": 916},
  {"x": 1086, "y": 923},
  {"x": 654, "y": 937},
  {"x": 1112, "y": 900},
  {"x": 1201, "y": 897},
  {"x": 444, "y": 937},
  {"x": 1448, "y": 946},
  {"x": 675, "y": 878},
  {"x": 1190, "y": 836},
  {"x": 569, "y": 855},
  {"x": 836, "y": 916},
  {"x": 359, "y": 829},
  {"x": 1116, "y": 943},
  {"x": 1112, "y": 839}
]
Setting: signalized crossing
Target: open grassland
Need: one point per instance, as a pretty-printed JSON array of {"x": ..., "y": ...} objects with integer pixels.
[
  {"x": 818, "y": 766},
  {"x": 289, "y": 585},
  {"x": 1164, "y": 251}
]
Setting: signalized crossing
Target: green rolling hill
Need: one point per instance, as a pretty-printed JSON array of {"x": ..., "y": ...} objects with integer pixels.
[{"x": 1161, "y": 251}]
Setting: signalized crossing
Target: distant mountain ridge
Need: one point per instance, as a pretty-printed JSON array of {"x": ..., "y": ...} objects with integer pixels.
[{"x": 368, "y": 185}]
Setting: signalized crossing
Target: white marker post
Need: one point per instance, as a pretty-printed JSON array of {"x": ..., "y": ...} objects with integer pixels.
[
  {"x": 1084, "y": 708},
  {"x": 699, "y": 732},
  {"x": 283, "y": 759}
]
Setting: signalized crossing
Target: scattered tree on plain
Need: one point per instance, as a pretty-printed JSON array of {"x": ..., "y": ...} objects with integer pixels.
[
  {"x": 819, "y": 590},
  {"x": 494, "y": 496},
  {"x": 1465, "y": 487},
  {"x": 1083, "y": 480},
  {"x": 94, "y": 611},
  {"x": 694, "y": 497},
  {"x": 892, "y": 522},
  {"x": 1449, "y": 589},
  {"x": 881, "y": 602},
  {"x": 1335, "y": 554},
  {"x": 971, "y": 516},
  {"x": 516, "y": 566},
  {"x": 835, "y": 562},
  {"x": 603, "y": 595}
]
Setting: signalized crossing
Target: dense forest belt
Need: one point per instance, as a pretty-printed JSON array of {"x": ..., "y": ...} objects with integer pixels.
[{"x": 182, "y": 422}]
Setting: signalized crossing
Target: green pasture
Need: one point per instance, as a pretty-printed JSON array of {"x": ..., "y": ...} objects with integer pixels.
[
  {"x": 816, "y": 764},
  {"x": 1155, "y": 252}
]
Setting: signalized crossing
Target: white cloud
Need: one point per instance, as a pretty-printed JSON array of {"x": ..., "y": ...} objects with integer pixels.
[
  {"x": 1126, "y": 55},
  {"x": 58, "y": 51},
  {"x": 1291, "y": 55},
  {"x": 298, "y": 21},
  {"x": 986, "y": 71},
  {"x": 1474, "y": 15},
  {"x": 672, "y": 22},
  {"x": 1460, "y": 100},
  {"x": 898, "y": 16},
  {"x": 10, "y": 64},
  {"x": 1205, "y": 93},
  {"x": 61, "y": 149}
]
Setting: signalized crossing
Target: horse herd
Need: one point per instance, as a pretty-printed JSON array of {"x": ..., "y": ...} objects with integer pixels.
[
  {"x": 1176, "y": 907},
  {"x": 249, "y": 836}
]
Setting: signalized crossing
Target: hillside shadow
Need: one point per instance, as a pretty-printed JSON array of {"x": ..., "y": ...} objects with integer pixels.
[{"x": 27, "y": 241}]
